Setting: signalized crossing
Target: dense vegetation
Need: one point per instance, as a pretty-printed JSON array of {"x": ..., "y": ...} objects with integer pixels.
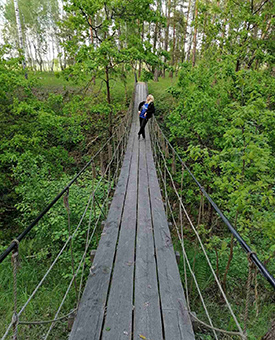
[
  {"x": 235, "y": 164},
  {"x": 216, "y": 107},
  {"x": 49, "y": 130}
]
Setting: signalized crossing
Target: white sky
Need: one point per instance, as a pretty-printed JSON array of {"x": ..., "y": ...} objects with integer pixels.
[{"x": 2, "y": 2}]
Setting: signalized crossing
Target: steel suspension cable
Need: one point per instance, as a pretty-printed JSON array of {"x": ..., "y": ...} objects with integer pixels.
[
  {"x": 244, "y": 245},
  {"x": 201, "y": 244},
  {"x": 74, "y": 233},
  {"x": 38, "y": 218}
]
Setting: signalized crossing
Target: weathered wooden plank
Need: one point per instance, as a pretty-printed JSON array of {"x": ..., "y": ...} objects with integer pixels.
[
  {"x": 118, "y": 324},
  {"x": 149, "y": 293},
  {"x": 147, "y": 316},
  {"x": 177, "y": 323},
  {"x": 88, "y": 323}
]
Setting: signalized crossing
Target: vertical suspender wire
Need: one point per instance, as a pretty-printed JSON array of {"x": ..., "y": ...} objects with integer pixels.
[
  {"x": 92, "y": 209},
  {"x": 93, "y": 185},
  {"x": 14, "y": 261},
  {"x": 165, "y": 192},
  {"x": 110, "y": 151},
  {"x": 185, "y": 255},
  {"x": 256, "y": 292},
  {"x": 51, "y": 266},
  {"x": 164, "y": 170},
  {"x": 190, "y": 269},
  {"x": 40, "y": 283},
  {"x": 83, "y": 258},
  {"x": 181, "y": 233},
  {"x": 208, "y": 261},
  {"x": 196, "y": 242},
  {"x": 248, "y": 288},
  {"x": 102, "y": 168},
  {"x": 117, "y": 163},
  {"x": 67, "y": 206}
]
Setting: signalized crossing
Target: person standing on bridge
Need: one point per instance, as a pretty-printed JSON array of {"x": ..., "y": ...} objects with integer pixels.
[{"x": 145, "y": 110}]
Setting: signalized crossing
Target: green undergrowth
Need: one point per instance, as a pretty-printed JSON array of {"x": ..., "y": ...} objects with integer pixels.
[
  {"x": 219, "y": 121},
  {"x": 38, "y": 251},
  {"x": 51, "y": 125},
  {"x": 164, "y": 102}
]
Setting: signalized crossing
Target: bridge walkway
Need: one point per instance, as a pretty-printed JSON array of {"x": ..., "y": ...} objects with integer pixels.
[{"x": 134, "y": 289}]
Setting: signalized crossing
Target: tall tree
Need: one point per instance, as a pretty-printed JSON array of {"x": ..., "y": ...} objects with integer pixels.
[
  {"x": 166, "y": 39},
  {"x": 195, "y": 34},
  {"x": 20, "y": 36},
  {"x": 115, "y": 48}
]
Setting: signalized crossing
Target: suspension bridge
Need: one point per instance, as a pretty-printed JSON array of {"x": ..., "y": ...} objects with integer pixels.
[
  {"x": 135, "y": 260},
  {"x": 134, "y": 288}
]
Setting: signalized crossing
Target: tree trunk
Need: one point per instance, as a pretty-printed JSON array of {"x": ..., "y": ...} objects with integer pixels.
[
  {"x": 20, "y": 36},
  {"x": 140, "y": 62},
  {"x": 52, "y": 67},
  {"x": 107, "y": 80},
  {"x": 167, "y": 32},
  {"x": 91, "y": 31},
  {"x": 59, "y": 53},
  {"x": 156, "y": 36},
  {"x": 174, "y": 39},
  {"x": 185, "y": 31},
  {"x": 195, "y": 34},
  {"x": 189, "y": 45}
]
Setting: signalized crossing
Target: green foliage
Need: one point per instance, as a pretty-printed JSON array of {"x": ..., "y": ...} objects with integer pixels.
[
  {"x": 40, "y": 139},
  {"x": 45, "y": 139},
  {"x": 224, "y": 128},
  {"x": 146, "y": 75},
  {"x": 114, "y": 52},
  {"x": 241, "y": 30},
  {"x": 221, "y": 122}
]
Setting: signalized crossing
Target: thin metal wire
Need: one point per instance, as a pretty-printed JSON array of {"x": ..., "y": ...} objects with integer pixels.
[
  {"x": 248, "y": 288},
  {"x": 201, "y": 244},
  {"x": 67, "y": 205},
  {"x": 241, "y": 241},
  {"x": 14, "y": 260},
  {"x": 66, "y": 243},
  {"x": 196, "y": 242},
  {"x": 184, "y": 254},
  {"x": 82, "y": 259},
  {"x": 29, "y": 228},
  {"x": 86, "y": 248},
  {"x": 197, "y": 286},
  {"x": 181, "y": 234},
  {"x": 42, "y": 322}
]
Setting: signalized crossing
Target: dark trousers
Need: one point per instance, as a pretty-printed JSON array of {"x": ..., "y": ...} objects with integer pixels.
[{"x": 142, "y": 122}]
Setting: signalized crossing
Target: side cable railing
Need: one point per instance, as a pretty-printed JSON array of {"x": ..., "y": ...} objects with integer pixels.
[
  {"x": 172, "y": 172},
  {"x": 105, "y": 166}
]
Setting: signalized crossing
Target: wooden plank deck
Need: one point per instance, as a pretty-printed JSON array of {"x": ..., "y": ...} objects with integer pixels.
[{"x": 134, "y": 291}]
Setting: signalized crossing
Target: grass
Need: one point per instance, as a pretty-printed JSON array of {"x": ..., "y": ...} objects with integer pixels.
[
  {"x": 48, "y": 82},
  {"x": 51, "y": 79},
  {"x": 164, "y": 101}
]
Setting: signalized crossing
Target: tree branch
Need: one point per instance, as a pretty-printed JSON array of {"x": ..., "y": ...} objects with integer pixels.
[
  {"x": 90, "y": 25},
  {"x": 261, "y": 6}
]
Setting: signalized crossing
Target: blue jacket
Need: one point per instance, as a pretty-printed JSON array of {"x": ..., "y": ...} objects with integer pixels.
[{"x": 150, "y": 110}]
